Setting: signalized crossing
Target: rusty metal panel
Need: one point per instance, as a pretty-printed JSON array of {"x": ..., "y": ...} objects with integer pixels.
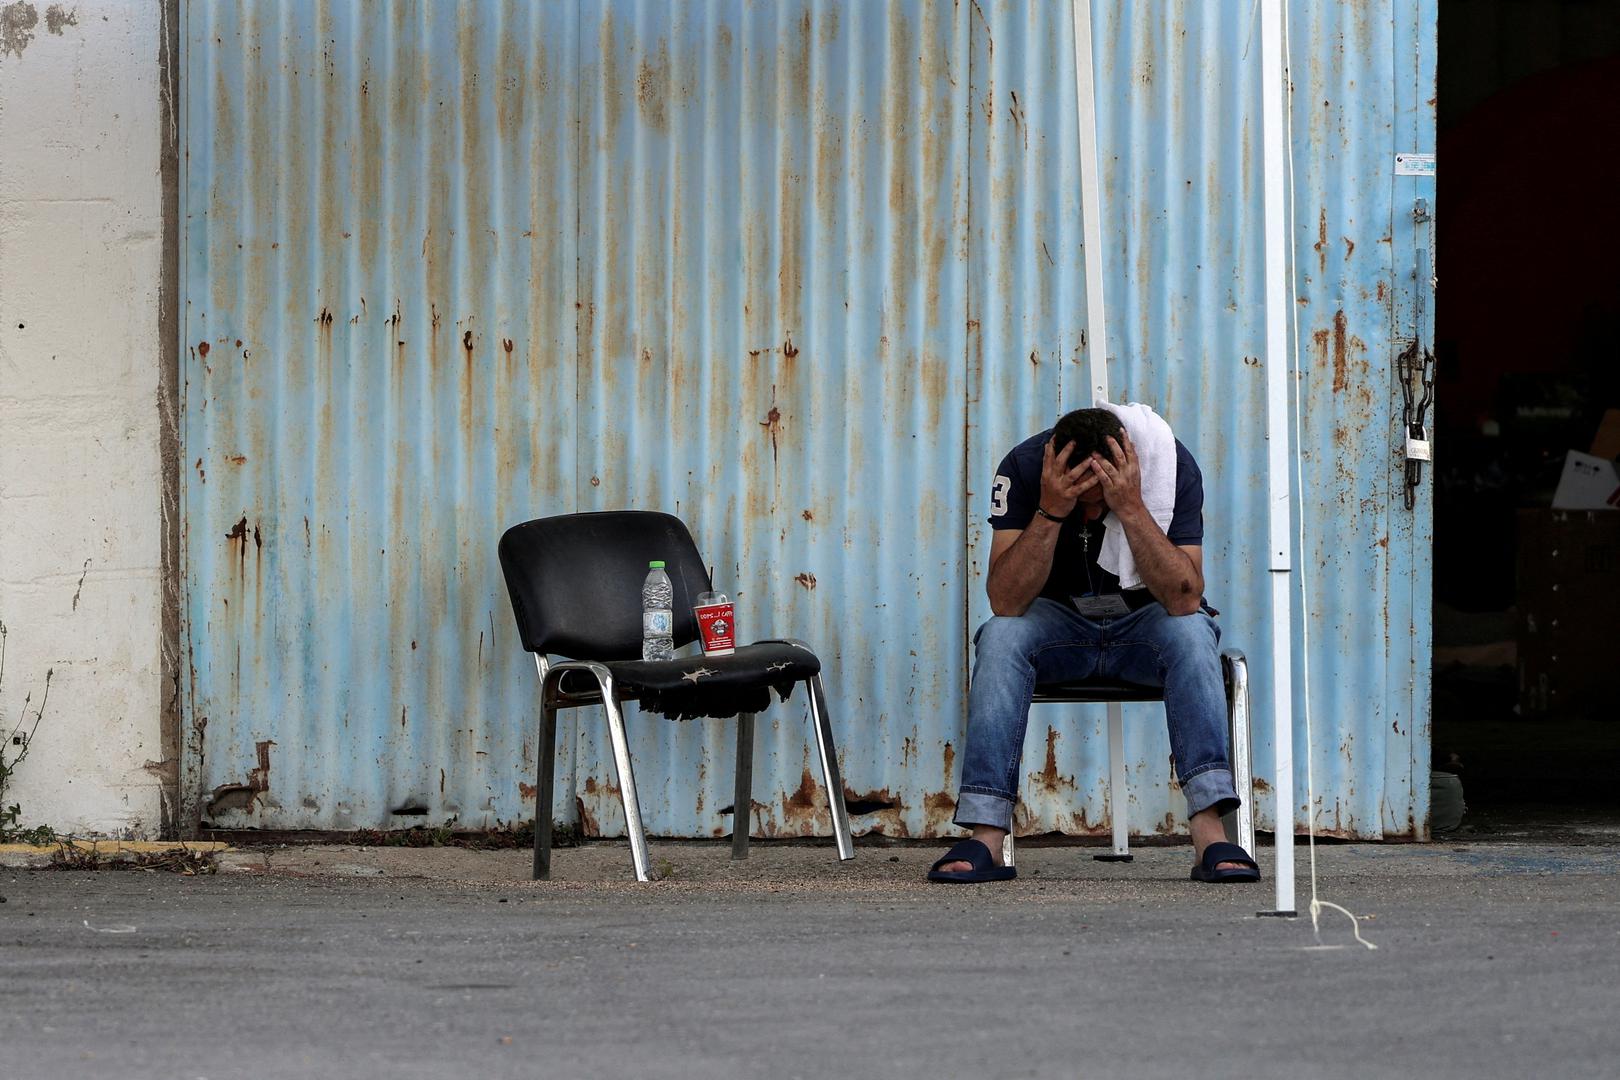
[
  {"x": 1028, "y": 358},
  {"x": 1179, "y": 132},
  {"x": 379, "y": 373},
  {"x": 799, "y": 273},
  {"x": 1410, "y": 614},
  {"x": 774, "y": 215}
]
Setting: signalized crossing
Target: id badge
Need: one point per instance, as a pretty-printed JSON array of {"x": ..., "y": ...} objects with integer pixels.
[{"x": 1108, "y": 606}]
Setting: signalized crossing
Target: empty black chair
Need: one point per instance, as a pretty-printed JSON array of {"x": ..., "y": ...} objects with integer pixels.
[{"x": 575, "y": 583}]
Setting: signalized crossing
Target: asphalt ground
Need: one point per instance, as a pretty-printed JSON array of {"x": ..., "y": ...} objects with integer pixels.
[{"x": 1493, "y": 960}]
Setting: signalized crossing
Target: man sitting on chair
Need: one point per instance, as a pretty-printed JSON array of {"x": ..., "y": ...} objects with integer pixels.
[{"x": 1060, "y": 616}]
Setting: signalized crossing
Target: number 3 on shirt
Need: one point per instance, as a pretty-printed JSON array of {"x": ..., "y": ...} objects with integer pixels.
[{"x": 998, "y": 496}]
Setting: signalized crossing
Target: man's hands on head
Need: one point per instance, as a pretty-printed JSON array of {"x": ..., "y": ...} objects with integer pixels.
[
  {"x": 1021, "y": 559},
  {"x": 1063, "y": 484},
  {"x": 1120, "y": 477},
  {"x": 1118, "y": 474}
]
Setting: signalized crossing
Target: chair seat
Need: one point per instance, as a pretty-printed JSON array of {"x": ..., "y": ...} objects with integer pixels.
[
  {"x": 1099, "y": 690},
  {"x": 719, "y": 686}
]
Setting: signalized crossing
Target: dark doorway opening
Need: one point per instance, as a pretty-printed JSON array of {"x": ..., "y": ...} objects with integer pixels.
[{"x": 1527, "y": 345}]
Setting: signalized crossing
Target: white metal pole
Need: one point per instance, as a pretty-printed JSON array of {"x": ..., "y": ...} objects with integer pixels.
[
  {"x": 1119, "y": 798},
  {"x": 1085, "y": 99},
  {"x": 1279, "y": 288}
]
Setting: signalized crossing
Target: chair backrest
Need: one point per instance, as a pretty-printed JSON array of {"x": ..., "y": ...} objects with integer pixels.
[{"x": 575, "y": 580}]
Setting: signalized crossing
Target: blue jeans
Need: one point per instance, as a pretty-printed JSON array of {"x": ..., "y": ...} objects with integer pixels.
[{"x": 1052, "y": 643}]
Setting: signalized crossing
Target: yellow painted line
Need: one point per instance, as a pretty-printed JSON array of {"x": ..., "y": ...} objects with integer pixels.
[{"x": 118, "y": 847}]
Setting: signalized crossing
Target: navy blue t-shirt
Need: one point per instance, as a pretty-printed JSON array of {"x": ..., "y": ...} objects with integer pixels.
[{"x": 1017, "y": 490}]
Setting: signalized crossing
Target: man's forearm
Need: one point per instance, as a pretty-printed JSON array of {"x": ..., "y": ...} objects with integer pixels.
[
  {"x": 1017, "y": 577},
  {"x": 1165, "y": 569}
]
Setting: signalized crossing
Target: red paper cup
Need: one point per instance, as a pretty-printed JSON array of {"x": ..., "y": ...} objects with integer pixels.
[{"x": 717, "y": 628}]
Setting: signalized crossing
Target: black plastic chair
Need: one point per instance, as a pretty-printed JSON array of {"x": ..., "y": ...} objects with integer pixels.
[
  {"x": 575, "y": 583},
  {"x": 1235, "y": 671}
]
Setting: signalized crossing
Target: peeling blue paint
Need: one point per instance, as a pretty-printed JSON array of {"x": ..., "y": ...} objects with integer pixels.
[{"x": 799, "y": 273}]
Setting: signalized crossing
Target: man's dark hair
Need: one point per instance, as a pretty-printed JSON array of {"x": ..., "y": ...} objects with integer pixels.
[{"x": 1089, "y": 431}]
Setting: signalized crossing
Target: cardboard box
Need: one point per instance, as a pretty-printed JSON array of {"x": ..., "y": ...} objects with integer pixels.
[
  {"x": 1569, "y": 612},
  {"x": 1606, "y": 443},
  {"x": 1588, "y": 483}
]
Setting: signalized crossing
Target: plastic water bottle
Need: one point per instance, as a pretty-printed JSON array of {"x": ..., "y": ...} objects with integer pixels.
[{"x": 657, "y": 614}]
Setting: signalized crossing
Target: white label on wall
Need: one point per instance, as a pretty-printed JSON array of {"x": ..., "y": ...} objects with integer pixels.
[{"x": 1414, "y": 164}]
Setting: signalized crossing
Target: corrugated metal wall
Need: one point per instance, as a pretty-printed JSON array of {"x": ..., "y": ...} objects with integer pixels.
[{"x": 799, "y": 273}]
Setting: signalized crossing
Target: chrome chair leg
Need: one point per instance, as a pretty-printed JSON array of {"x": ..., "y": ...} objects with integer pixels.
[
  {"x": 627, "y": 778},
  {"x": 829, "y": 768},
  {"x": 742, "y": 805},
  {"x": 547, "y": 772},
  {"x": 1007, "y": 854},
  {"x": 1118, "y": 794},
  {"x": 1239, "y": 739}
]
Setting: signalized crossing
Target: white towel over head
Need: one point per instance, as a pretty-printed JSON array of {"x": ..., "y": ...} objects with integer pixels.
[{"x": 1156, "y": 457}]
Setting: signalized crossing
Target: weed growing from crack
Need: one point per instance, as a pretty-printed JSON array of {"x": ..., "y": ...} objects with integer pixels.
[{"x": 21, "y": 735}]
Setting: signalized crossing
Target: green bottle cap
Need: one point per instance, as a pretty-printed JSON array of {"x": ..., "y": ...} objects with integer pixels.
[{"x": 656, "y": 564}]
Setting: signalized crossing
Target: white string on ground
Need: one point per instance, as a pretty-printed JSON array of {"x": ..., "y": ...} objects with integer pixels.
[{"x": 1317, "y": 903}]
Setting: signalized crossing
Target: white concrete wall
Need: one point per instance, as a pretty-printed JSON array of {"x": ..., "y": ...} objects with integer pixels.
[{"x": 80, "y": 523}]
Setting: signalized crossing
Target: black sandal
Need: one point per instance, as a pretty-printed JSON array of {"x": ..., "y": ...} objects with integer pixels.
[
  {"x": 1216, "y": 854},
  {"x": 975, "y": 853}
]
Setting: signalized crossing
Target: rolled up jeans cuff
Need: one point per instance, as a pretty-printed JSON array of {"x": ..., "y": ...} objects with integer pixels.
[
  {"x": 978, "y": 808},
  {"x": 1212, "y": 787}
]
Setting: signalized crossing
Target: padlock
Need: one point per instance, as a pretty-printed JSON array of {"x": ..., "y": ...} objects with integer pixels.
[{"x": 1417, "y": 444}]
